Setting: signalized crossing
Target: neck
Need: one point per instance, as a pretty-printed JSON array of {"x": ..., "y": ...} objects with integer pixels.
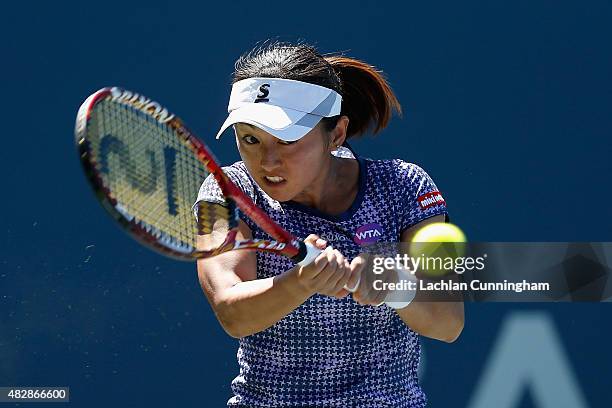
[{"x": 335, "y": 189}]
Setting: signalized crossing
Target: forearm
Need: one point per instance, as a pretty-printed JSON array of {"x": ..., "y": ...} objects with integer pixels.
[
  {"x": 252, "y": 306},
  {"x": 435, "y": 314},
  {"x": 436, "y": 320},
  {"x": 438, "y": 315}
]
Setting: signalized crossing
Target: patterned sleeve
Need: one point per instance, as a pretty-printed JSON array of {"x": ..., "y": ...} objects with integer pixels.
[
  {"x": 419, "y": 198},
  {"x": 210, "y": 191}
]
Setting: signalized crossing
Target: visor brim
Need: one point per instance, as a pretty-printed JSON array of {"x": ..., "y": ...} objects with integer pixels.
[{"x": 283, "y": 123}]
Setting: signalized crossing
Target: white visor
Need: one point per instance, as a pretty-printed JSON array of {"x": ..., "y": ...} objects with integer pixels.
[{"x": 285, "y": 108}]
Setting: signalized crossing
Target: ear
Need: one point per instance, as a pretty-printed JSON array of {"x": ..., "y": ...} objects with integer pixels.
[{"x": 338, "y": 134}]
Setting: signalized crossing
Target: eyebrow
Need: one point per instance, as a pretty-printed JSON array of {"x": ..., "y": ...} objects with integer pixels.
[{"x": 249, "y": 128}]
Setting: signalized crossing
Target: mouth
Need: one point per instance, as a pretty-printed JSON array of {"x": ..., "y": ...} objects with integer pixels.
[{"x": 274, "y": 180}]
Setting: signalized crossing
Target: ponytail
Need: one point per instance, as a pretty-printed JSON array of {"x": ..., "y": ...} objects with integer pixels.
[{"x": 367, "y": 98}]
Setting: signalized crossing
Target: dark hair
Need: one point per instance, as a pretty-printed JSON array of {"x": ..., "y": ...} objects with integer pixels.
[{"x": 367, "y": 98}]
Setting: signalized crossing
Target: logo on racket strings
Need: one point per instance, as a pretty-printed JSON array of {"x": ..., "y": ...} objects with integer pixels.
[{"x": 142, "y": 103}]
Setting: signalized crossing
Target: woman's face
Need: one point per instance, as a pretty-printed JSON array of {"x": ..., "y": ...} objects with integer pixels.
[{"x": 283, "y": 169}]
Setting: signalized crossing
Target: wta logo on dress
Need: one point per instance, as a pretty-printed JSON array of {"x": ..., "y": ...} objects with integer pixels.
[{"x": 368, "y": 234}]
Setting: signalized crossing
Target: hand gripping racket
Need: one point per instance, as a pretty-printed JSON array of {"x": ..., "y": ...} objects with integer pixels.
[{"x": 146, "y": 168}]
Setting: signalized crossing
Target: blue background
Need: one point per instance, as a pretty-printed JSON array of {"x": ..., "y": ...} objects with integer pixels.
[{"x": 507, "y": 106}]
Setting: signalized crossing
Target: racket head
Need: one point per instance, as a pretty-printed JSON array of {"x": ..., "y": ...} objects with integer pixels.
[{"x": 146, "y": 168}]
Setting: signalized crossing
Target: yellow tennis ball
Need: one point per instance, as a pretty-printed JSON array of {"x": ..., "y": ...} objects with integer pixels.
[{"x": 439, "y": 245}]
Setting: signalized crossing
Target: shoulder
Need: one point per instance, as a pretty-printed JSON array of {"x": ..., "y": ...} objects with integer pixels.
[
  {"x": 237, "y": 173},
  {"x": 414, "y": 176},
  {"x": 407, "y": 188},
  {"x": 399, "y": 172},
  {"x": 240, "y": 176}
]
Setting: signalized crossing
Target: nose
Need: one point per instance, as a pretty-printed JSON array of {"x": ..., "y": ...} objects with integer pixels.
[{"x": 270, "y": 159}]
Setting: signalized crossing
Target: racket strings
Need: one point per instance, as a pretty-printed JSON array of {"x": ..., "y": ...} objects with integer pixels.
[
  {"x": 138, "y": 177},
  {"x": 213, "y": 217},
  {"x": 152, "y": 174}
]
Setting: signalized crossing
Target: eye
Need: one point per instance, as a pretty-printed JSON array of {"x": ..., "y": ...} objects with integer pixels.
[{"x": 248, "y": 139}]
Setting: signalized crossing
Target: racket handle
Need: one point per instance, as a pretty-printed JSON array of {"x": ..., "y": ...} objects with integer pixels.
[{"x": 310, "y": 252}]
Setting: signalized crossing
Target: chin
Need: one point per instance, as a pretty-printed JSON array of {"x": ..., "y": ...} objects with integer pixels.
[{"x": 279, "y": 195}]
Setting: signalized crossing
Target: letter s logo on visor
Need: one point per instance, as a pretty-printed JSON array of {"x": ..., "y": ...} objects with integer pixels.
[
  {"x": 430, "y": 199},
  {"x": 263, "y": 96}
]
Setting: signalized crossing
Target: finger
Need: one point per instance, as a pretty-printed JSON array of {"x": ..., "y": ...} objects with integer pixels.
[
  {"x": 348, "y": 273},
  {"x": 342, "y": 273},
  {"x": 358, "y": 292},
  {"x": 342, "y": 293},
  {"x": 312, "y": 239},
  {"x": 328, "y": 268},
  {"x": 358, "y": 265},
  {"x": 355, "y": 266},
  {"x": 359, "y": 262},
  {"x": 343, "y": 283},
  {"x": 314, "y": 268},
  {"x": 330, "y": 253},
  {"x": 359, "y": 298},
  {"x": 352, "y": 287},
  {"x": 320, "y": 243},
  {"x": 378, "y": 297},
  {"x": 321, "y": 260},
  {"x": 364, "y": 294}
]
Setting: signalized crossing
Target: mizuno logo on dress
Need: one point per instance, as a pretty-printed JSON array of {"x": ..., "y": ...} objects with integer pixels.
[
  {"x": 263, "y": 95},
  {"x": 430, "y": 199}
]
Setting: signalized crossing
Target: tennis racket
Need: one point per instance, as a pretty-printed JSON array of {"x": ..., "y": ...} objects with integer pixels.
[{"x": 145, "y": 167}]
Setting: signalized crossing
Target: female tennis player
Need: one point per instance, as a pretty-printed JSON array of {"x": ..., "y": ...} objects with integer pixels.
[{"x": 305, "y": 340}]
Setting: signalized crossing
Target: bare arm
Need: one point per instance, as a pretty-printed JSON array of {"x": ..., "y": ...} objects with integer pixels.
[
  {"x": 245, "y": 305},
  {"x": 438, "y": 320}
]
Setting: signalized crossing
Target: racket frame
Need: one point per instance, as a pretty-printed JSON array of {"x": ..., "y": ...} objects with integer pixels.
[{"x": 283, "y": 242}]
